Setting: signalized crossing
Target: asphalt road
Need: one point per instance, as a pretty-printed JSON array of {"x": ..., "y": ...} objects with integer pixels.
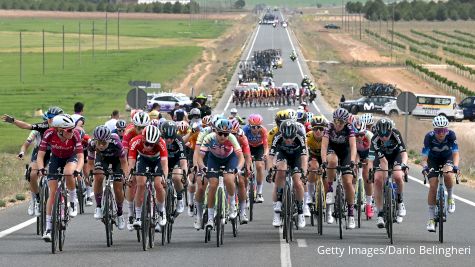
[{"x": 258, "y": 243}]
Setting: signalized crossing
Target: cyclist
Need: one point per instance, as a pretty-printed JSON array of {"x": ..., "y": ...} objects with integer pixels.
[
  {"x": 104, "y": 150},
  {"x": 224, "y": 150},
  {"x": 41, "y": 129},
  {"x": 440, "y": 149},
  {"x": 195, "y": 115},
  {"x": 368, "y": 118},
  {"x": 387, "y": 151},
  {"x": 190, "y": 142},
  {"x": 314, "y": 144},
  {"x": 289, "y": 146},
  {"x": 148, "y": 153},
  {"x": 233, "y": 114},
  {"x": 67, "y": 153},
  {"x": 243, "y": 177},
  {"x": 363, "y": 143},
  {"x": 78, "y": 118},
  {"x": 120, "y": 126},
  {"x": 177, "y": 163},
  {"x": 139, "y": 121},
  {"x": 180, "y": 115},
  {"x": 257, "y": 137},
  {"x": 339, "y": 148}
]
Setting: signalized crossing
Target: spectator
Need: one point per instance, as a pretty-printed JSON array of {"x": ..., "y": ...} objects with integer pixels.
[
  {"x": 111, "y": 124},
  {"x": 156, "y": 107},
  {"x": 177, "y": 107},
  {"x": 77, "y": 116},
  {"x": 342, "y": 99}
]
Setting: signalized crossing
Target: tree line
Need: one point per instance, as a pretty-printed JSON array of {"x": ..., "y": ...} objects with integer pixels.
[
  {"x": 100, "y": 6},
  {"x": 414, "y": 10}
]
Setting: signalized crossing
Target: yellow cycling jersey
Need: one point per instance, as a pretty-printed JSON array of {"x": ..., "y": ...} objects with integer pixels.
[
  {"x": 180, "y": 133},
  {"x": 314, "y": 146},
  {"x": 271, "y": 134}
]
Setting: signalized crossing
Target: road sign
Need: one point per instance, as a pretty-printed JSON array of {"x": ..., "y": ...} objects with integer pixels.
[
  {"x": 137, "y": 98},
  {"x": 155, "y": 85},
  {"x": 406, "y": 101},
  {"x": 140, "y": 83}
]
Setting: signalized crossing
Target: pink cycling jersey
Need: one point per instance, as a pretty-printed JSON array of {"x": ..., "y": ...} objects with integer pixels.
[{"x": 59, "y": 148}]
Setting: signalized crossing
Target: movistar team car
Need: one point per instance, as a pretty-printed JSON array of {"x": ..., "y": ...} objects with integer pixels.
[{"x": 367, "y": 104}]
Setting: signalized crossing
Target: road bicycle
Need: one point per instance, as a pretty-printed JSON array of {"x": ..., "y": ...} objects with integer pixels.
[
  {"x": 341, "y": 208},
  {"x": 360, "y": 194},
  {"x": 441, "y": 201},
  {"x": 318, "y": 205},
  {"x": 170, "y": 206},
  {"x": 220, "y": 210}
]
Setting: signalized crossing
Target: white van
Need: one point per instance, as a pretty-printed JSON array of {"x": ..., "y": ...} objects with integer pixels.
[{"x": 430, "y": 106}]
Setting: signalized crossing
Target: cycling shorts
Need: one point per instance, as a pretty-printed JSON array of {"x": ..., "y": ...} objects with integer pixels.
[
  {"x": 56, "y": 165},
  {"x": 102, "y": 163},
  {"x": 435, "y": 163},
  {"x": 145, "y": 164},
  {"x": 214, "y": 163},
  {"x": 257, "y": 152},
  {"x": 293, "y": 160},
  {"x": 344, "y": 157}
]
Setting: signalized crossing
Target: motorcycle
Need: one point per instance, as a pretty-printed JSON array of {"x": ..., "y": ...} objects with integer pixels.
[{"x": 293, "y": 57}]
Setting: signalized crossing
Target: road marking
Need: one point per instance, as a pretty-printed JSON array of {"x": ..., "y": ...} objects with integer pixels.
[
  {"x": 302, "y": 243},
  {"x": 466, "y": 201},
  {"x": 285, "y": 260},
  {"x": 248, "y": 55},
  {"x": 17, "y": 227}
]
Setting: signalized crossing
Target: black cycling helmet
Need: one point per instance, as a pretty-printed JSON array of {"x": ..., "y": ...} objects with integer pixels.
[
  {"x": 288, "y": 128},
  {"x": 384, "y": 127},
  {"x": 168, "y": 129},
  {"x": 121, "y": 124},
  {"x": 53, "y": 111}
]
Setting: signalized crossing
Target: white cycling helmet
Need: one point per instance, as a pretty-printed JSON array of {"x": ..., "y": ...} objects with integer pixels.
[
  {"x": 233, "y": 110},
  {"x": 152, "y": 134},
  {"x": 63, "y": 121},
  {"x": 141, "y": 119},
  {"x": 440, "y": 122}
]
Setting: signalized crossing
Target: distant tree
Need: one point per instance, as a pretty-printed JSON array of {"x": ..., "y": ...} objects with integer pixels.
[
  {"x": 239, "y": 4},
  {"x": 441, "y": 14},
  {"x": 101, "y": 6},
  {"x": 157, "y": 7},
  {"x": 453, "y": 14},
  {"x": 463, "y": 11},
  {"x": 167, "y": 7},
  {"x": 472, "y": 12},
  {"x": 176, "y": 7}
]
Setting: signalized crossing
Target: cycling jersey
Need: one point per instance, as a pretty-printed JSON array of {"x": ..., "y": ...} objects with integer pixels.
[
  {"x": 78, "y": 117},
  {"x": 314, "y": 145},
  {"x": 338, "y": 139},
  {"x": 113, "y": 150},
  {"x": 40, "y": 127},
  {"x": 180, "y": 133},
  {"x": 34, "y": 137},
  {"x": 256, "y": 140},
  {"x": 395, "y": 145},
  {"x": 59, "y": 148},
  {"x": 129, "y": 134},
  {"x": 439, "y": 150},
  {"x": 158, "y": 151},
  {"x": 203, "y": 133},
  {"x": 192, "y": 140},
  {"x": 243, "y": 142},
  {"x": 363, "y": 144},
  {"x": 211, "y": 144},
  {"x": 271, "y": 135},
  {"x": 298, "y": 146},
  {"x": 176, "y": 149}
]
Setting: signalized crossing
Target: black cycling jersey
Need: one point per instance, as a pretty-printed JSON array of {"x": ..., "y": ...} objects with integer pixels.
[
  {"x": 298, "y": 146},
  {"x": 113, "y": 150},
  {"x": 341, "y": 138},
  {"x": 41, "y": 127},
  {"x": 176, "y": 149},
  {"x": 380, "y": 148}
]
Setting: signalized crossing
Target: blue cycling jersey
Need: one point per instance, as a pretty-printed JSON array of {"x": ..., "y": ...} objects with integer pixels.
[{"x": 437, "y": 150}]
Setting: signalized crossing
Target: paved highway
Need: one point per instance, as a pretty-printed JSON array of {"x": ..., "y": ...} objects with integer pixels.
[{"x": 258, "y": 243}]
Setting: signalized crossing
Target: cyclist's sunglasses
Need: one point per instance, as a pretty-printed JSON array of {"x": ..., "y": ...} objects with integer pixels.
[
  {"x": 139, "y": 128},
  {"x": 339, "y": 122},
  {"x": 102, "y": 143},
  {"x": 223, "y": 134},
  {"x": 70, "y": 130},
  {"x": 149, "y": 144},
  {"x": 195, "y": 117},
  {"x": 120, "y": 130},
  {"x": 255, "y": 127},
  {"x": 318, "y": 129},
  {"x": 386, "y": 134},
  {"x": 441, "y": 130}
]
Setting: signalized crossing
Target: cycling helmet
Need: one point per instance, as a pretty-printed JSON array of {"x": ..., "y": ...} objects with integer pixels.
[
  {"x": 206, "y": 121},
  {"x": 195, "y": 111},
  {"x": 309, "y": 116},
  {"x": 120, "y": 124},
  {"x": 63, "y": 121},
  {"x": 440, "y": 122},
  {"x": 352, "y": 118},
  {"x": 216, "y": 118},
  {"x": 133, "y": 112},
  {"x": 155, "y": 122},
  {"x": 318, "y": 120},
  {"x": 368, "y": 118},
  {"x": 233, "y": 110},
  {"x": 183, "y": 126},
  {"x": 255, "y": 120},
  {"x": 153, "y": 114},
  {"x": 53, "y": 111},
  {"x": 45, "y": 116},
  {"x": 196, "y": 127},
  {"x": 102, "y": 133},
  {"x": 160, "y": 121},
  {"x": 384, "y": 126},
  {"x": 303, "y": 104},
  {"x": 223, "y": 125},
  {"x": 168, "y": 129},
  {"x": 151, "y": 134},
  {"x": 359, "y": 125},
  {"x": 301, "y": 115},
  {"x": 341, "y": 114},
  {"x": 235, "y": 126},
  {"x": 291, "y": 114},
  {"x": 289, "y": 128},
  {"x": 141, "y": 119},
  {"x": 280, "y": 116}
]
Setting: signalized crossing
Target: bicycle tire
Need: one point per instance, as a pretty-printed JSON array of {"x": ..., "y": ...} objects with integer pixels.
[
  {"x": 251, "y": 198},
  {"x": 151, "y": 227},
  {"x": 287, "y": 213},
  {"x": 312, "y": 213},
  {"x": 389, "y": 213},
  {"x": 292, "y": 214},
  {"x": 64, "y": 220},
  {"x": 170, "y": 211},
  {"x": 145, "y": 217},
  {"x": 80, "y": 195},
  {"x": 441, "y": 215},
  {"x": 339, "y": 208},
  {"x": 43, "y": 201},
  {"x": 359, "y": 200},
  {"x": 107, "y": 216},
  {"x": 55, "y": 231},
  {"x": 319, "y": 200},
  {"x": 218, "y": 216}
]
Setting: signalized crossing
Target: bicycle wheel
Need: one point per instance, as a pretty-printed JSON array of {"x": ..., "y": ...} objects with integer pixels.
[
  {"x": 339, "y": 208},
  {"x": 359, "y": 200},
  {"x": 107, "y": 216},
  {"x": 441, "y": 215},
  {"x": 287, "y": 213},
  {"x": 219, "y": 215},
  {"x": 170, "y": 211},
  {"x": 43, "y": 199},
  {"x": 389, "y": 213},
  {"x": 56, "y": 222},
  {"x": 313, "y": 213},
  {"x": 145, "y": 218},
  {"x": 251, "y": 198},
  {"x": 151, "y": 229},
  {"x": 80, "y": 194},
  {"x": 319, "y": 203}
]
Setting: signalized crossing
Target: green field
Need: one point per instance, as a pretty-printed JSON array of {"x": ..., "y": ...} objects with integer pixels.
[{"x": 100, "y": 83}]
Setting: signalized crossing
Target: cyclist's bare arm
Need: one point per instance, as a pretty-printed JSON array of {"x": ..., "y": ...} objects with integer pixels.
[
  {"x": 124, "y": 166},
  {"x": 164, "y": 163},
  {"x": 353, "y": 150},
  {"x": 18, "y": 123},
  {"x": 80, "y": 162},
  {"x": 324, "y": 149}
]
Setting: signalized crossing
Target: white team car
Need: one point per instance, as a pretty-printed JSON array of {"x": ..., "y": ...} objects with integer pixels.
[{"x": 167, "y": 101}]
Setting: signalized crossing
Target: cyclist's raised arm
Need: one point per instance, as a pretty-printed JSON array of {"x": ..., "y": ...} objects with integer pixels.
[{"x": 16, "y": 122}]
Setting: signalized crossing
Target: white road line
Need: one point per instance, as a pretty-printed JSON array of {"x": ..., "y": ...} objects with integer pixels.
[
  {"x": 17, "y": 227},
  {"x": 285, "y": 260},
  {"x": 464, "y": 200},
  {"x": 248, "y": 55},
  {"x": 302, "y": 243}
]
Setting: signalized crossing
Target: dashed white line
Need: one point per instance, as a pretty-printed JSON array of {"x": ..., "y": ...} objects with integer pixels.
[
  {"x": 284, "y": 251},
  {"x": 17, "y": 227}
]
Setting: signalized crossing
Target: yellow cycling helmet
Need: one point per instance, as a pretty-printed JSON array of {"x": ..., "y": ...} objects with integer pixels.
[
  {"x": 318, "y": 120},
  {"x": 280, "y": 116}
]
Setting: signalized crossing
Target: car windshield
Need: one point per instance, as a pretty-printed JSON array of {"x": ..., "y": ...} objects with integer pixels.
[
  {"x": 182, "y": 98},
  {"x": 361, "y": 99}
]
